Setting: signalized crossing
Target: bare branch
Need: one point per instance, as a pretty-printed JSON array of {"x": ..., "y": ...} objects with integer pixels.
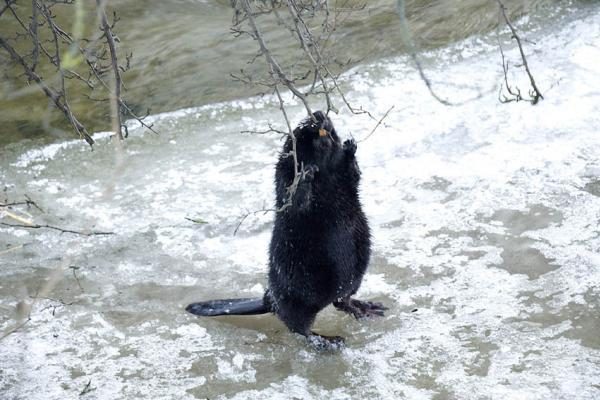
[
  {"x": 36, "y": 226},
  {"x": 301, "y": 31},
  {"x": 7, "y": 5},
  {"x": 377, "y": 126},
  {"x": 49, "y": 92},
  {"x": 264, "y": 210},
  {"x": 12, "y": 330},
  {"x": 33, "y": 29},
  {"x": 274, "y": 65},
  {"x": 324, "y": 82},
  {"x": 115, "y": 93},
  {"x": 48, "y": 42},
  {"x": 534, "y": 93},
  {"x": 271, "y": 129},
  {"x": 28, "y": 202}
]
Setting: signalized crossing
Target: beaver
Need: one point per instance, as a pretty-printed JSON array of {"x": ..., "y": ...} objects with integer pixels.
[{"x": 321, "y": 242}]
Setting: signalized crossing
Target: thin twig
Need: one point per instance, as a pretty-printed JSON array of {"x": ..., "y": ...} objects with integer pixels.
[
  {"x": 50, "y": 93},
  {"x": 20, "y": 203},
  {"x": 535, "y": 93},
  {"x": 37, "y": 226},
  {"x": 7, "y": 6},
  {"x": 25, "y": 308},
  {"x": 302, "y": 31},
  {"x": 29, "y": 201},
  {"x": 74, "y": 269},
  {"x": 264, "y": 211},
  {"x": 88, "y": 388},
  {"x": 291, "y": 190},
  {"x": 12, "y": 330},
  {"x": 324, "y": 82},
  {"x": 285, "y": 80},
  {"x": 115, "y": 93},
  {"x": 11, "y": 249},
  {"x": 376, "y": 126}
]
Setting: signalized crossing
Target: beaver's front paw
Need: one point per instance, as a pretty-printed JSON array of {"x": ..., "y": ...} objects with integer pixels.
[
  {"x": 350, "y": 147},
  {"x": 308, "y": 174}
]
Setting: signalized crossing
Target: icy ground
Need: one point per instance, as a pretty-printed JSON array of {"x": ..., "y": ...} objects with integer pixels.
[{"x": 485, "y": 217}]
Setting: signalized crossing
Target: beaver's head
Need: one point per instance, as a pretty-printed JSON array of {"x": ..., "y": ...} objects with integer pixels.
[{"x": 316, "y": 138}]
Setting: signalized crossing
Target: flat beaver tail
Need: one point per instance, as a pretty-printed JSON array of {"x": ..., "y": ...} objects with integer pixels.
[{"x": 214, "y": 308}]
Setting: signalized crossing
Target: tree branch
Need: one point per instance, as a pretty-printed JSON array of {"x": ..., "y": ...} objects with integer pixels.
[
  {"x": 49, "y": 92},
  {"x": 115, "y": 93},
  {"x": 276, "y": 68},
  {"x": 535, "y": 93},
  {"x": 36, "y": 226}
]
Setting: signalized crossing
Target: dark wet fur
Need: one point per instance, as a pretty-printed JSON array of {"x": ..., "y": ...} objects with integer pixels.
[{"x": 320, "y": 245}]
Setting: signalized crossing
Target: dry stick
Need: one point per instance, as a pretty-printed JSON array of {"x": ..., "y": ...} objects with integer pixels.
[
  {"x": 517, "y": 95},
  {"x": 24, "y": 308},
  {"x": 54, "y": 59},
  {"x": 264, "y": 210},
  {"x": 535, "y": 94},
  {"x": 37, "y": 226},
  {"x": 7, "y": 6},
  {"x": 97, "y": 74},
  {"x": 29, "y": 31},
  {"x": 312, "y": 43},
  {"x": 376, "y": 126},
  {"x": 138, "y": 118},
  {"x": 271, "y": 129},
  {"x": 34, "y": 33},
  {"x": 49, "y": 92},
  {"x": 11, "y": 249},
  {"x": 271, "y": 60},
  {"x": 276, "y": 70},
  {"x": 25, "y": 223},
  {"x": 18, "y": 218},
  {"x": 12, "y": 330},
  {"x": 57, "y": 59},
  {"x": 315, "y": 46},
  {"x": 115, "y": 94},
  {"x": 298, "y": 170},
  {"x": 121, "y": 102},
  {"x": 27, "y": 202},
  {"x": 291, "y": 190},
  {"x": 75, "y": 268},
  {"x": 88, "y": 388},
  {"x": 317, "y": 64}
]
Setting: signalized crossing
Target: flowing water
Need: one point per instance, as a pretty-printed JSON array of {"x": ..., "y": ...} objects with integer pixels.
[
  {"x": 485, "y": 220},
  {"x": 184, "y": 52}
]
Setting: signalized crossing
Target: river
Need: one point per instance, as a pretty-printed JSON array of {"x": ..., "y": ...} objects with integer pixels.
[{"x": 183, "y": 53}]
